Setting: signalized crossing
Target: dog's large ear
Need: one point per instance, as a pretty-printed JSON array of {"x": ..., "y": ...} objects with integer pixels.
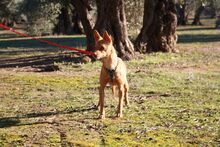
[
  {"x": 107, "y": 37},
  {"x": 97, "y": 36}
]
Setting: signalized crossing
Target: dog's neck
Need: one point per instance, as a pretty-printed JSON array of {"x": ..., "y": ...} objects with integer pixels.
[{"x": 111, "y": 61}]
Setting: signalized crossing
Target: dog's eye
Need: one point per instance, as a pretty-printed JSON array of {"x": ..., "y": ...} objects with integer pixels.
[{"x": 101, "y": 48}]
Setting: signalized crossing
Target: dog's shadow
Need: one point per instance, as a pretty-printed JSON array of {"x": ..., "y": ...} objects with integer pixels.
[{"x": 16, "y": 121}]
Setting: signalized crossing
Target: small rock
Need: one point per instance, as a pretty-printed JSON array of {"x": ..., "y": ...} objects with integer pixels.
[{"x": 86, "y": 59}]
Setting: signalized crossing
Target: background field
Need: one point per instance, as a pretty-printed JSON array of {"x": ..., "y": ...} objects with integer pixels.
[{"x": 175, "y": 98}]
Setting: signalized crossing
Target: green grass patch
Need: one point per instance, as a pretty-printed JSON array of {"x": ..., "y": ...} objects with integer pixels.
[{"x": 174, "y": 98}]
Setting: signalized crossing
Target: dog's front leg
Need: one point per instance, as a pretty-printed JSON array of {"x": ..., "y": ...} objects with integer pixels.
[
  {"x": 121, "y": 98},
  {"x": 102, "y": 101},
  {"x": 126, "y": 94}
]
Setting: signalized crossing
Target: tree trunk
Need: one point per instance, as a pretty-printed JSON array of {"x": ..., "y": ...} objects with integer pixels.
[
  {"x": 159, "y": 27},
  {"x": 64, "y": 25},
  {"x": 82, "y": 8},
  {"x": 111, "y": 17},
  {"x": 198, "y": 13},
  {"x": 213, "y": 9},
  {"x": 182, "y": 17},
  {"x": 77, "y": 26}
]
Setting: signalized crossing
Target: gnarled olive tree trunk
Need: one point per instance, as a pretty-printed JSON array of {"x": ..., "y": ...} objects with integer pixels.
[
  {"x": 82, "y": 8},
  {"x": 77, "y": 26},
  {"x": 111, "y": 17},
  {"x": 182, "y": 14},
  {"x": 64, "y": 25},
  {"x": 159, "y": 27},
  {"x": 199, "y": 10}
]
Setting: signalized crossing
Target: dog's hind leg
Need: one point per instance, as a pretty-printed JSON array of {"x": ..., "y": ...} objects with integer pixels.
[
  {"x": 126, "y": 88},
  {"x": 121, "y": 98},
  {"x": 114, "y": 91}
]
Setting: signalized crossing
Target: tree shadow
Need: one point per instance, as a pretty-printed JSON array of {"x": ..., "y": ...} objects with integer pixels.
[
  {"x": 7, "y": 36},
  {"x": 16, "y": 121},
  {"x": 40, "y": 61},
  {"x": 9, "y": 49},
  {"x": 29, "y": 43},
  {"x": 26, "y": 51},
  {"x": 198, "y": 38},
  {"x": 190, "y": 28}
]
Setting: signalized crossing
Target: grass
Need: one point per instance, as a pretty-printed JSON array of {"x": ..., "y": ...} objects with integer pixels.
[
  {"x": 175, "y": 100},
  {"x": 203, "y": 34}
]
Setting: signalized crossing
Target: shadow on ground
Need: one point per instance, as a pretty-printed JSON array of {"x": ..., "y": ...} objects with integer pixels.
[
  {"x": 15, "y": 53},
  {"x": 44, "y": 62},
  {"x": 198, "y": 38},
  {"x": 16, "y": 121},
  {"x": 28, "y": 43},
  {"x": 7, "y": 36},
  {"x": 189, "y": 28}
]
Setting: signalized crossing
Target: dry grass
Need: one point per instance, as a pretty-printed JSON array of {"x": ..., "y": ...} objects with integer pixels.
[{"x": 174, "y": 99}]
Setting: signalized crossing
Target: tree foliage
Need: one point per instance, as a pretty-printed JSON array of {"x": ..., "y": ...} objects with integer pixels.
[
  {"x": 195, "y": 8},
  {"x": 9, "y": 11},
  {"x": 134, "y": 11},
  {"x": 41, "y": 14}
]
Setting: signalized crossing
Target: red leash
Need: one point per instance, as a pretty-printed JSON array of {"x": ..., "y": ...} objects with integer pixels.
[{"x": 47, "y": 42}]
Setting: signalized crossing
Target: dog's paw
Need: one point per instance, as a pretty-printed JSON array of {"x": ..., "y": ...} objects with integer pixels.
[
  {"x": 97, "y": 107},
  {"x": 127, "y": 105},
  {"x": 115, "y": 98},
  {"x": 101, "y": 116},
  {"x": 119, "y": 115}
]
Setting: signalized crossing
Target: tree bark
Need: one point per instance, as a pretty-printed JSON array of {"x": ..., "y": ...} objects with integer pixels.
[
  {"x": 111, "y": 17},
  {"x": 64, "y": 25},
  {"x": 159, "y": 27},
  {"x": 82, "y": 8},
  {"x": 182, "y": 17},
  {"x": 196, "y": 20},
  {"x": 77, "y": 26}
]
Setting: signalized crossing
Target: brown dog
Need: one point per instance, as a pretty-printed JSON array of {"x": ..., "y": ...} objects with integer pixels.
[{"x": 113, "y": 72}]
